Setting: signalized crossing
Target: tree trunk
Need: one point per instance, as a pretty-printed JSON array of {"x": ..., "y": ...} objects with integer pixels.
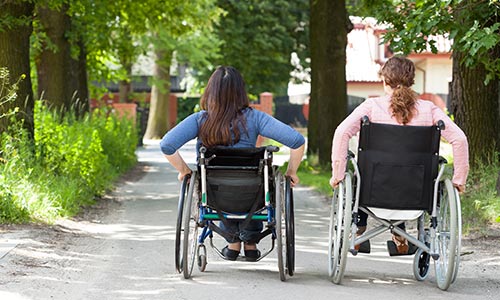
[
  {"x": 328, "y": 103},
  {"x": 57, "y": 78},
  {"x": 124, "y": 89},
  {"x": 14, "y": 54},
  {"x": 158, "y": 120},
  {"x": 475, "y": 107},
  {"x": 80, "y": 68}
]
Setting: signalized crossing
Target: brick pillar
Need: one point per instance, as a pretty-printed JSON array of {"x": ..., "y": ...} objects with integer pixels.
[
  {"x": 172, "y": 110},
  {"x": 266, "y": 105},
  {"x": 266, "y": 102}
]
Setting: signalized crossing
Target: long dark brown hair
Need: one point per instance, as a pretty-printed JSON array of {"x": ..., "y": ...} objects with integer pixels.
[
  {"x": 399, "y": 73},
  {"x": 223, "y": 100}
]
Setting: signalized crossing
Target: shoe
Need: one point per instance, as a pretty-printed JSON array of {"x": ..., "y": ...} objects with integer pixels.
[
  {"x": 400, "y": 246},
  {"x": 230, "y": 254},
  {"x": 252, "y": 255},
  {"x": 365, "y": 246}
]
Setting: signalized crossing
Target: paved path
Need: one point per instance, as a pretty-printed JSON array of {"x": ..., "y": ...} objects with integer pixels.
[{"x": 128, "y": 254}]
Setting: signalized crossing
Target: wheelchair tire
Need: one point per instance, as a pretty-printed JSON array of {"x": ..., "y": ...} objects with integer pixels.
[
  {"x": 289, "y": 228},
  {"x": 446, "y": 240},
  {"x": 340, "y": 229},
  {"x": 180, "y": 224},
  {"x": 459, "y": 241},
  {"x": 202, "y": 258},
  {"x": 280, "y": 229},
  {"x": 190, "y": 232},
  {"x": 421, "y": 265}
]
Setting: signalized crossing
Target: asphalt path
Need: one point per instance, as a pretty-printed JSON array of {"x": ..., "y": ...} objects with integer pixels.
[{"x": 129, "y": 254}]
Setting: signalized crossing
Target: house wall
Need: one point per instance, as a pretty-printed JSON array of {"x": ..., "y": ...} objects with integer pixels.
[
  {"x": 365, "y": 89},
  {"x": 433, "y": 75}
]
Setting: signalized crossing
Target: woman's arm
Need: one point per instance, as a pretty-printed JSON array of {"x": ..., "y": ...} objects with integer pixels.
[
  {"x": 294, "y": 162},
  {"x": 179, "y": 164},
  {"x": 175, "y": 138},
  {"x": 456, "y": 137},
  {"x": 340, "y": 143}
]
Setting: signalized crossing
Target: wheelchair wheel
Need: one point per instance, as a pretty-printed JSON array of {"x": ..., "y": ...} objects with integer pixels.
[
  {"x": 202, "y": 258},
  {"x": 179, "y": 227},
  {"x": 280, "y": 228},
  {"x": 190, "y": 231},
  {"x": 421, "y": 265},
  {"x": 340, "y": 229},
  {"x": 459, "y": 241},
  {"x": 446, "y": 239},
  {"x": 289, "y": 228}
]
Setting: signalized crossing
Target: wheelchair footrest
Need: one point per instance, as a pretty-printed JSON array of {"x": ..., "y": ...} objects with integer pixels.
[
  {"x": 393, "y": 250},
  {"x": 364, "y": 247}
]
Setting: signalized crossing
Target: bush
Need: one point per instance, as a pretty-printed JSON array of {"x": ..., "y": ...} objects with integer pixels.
[{"x": 67, "y": 163}]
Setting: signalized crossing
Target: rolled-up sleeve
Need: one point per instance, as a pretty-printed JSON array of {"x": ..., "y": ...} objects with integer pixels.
[{"x": 180, "y": 134}]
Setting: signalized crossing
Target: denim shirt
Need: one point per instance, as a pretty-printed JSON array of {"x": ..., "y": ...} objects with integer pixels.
[{"x": 257, "y": 123}]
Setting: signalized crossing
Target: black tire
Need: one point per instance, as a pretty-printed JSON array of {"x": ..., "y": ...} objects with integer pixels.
[
  {"x": 179, "y": 227},
  {"x": 280, "y": 227},
  {"x": 190, "y": 231},
  {"x": 290, "y": 228},
  {"x": 421, "y": 264}
]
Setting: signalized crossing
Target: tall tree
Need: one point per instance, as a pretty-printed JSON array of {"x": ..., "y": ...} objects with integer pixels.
[
  {"x": 183, "y": 30},
  {"x": 57, "y": 70},
  {"x": 328, "y": 103},
  {"x": 259, "y": 36},
  {"x": 474, "y": 28},
  {"x": 15, "y": 31}
]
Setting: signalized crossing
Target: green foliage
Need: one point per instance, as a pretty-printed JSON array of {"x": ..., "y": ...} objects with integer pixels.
[
  {"x": 8, "y": 92},
  {"x": 185, "y": 107},
  {"x": 473, "y": 26},
  {"x": 70, "y": 162},
  {"x": 258, "y": 38},
  {"x": 480, "y": 202},
  {"x": 313, "y": 175}
]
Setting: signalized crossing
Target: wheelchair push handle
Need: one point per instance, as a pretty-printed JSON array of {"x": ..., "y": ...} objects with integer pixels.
[{"x": 272, "y": 148}]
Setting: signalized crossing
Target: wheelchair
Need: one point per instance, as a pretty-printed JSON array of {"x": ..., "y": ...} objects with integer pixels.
[
  {"x": 399, "y": 176},
  {"x": 234, "y": 184}
]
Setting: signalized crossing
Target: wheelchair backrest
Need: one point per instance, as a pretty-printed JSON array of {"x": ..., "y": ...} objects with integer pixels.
[
  {"x": 398, "y": 165},
  {"x": 234, "y": 178}
]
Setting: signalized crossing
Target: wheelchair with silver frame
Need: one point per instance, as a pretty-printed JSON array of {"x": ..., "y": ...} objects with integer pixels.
[
  {"x": 234, "y": 184},
  {"x": 398, "y": 177}
]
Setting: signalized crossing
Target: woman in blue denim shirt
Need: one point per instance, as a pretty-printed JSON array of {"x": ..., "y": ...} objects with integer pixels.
[{"x": 227, "y": 120}]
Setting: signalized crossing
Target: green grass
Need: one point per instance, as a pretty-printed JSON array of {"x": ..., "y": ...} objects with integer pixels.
[
  {"x": 480, "y": 202},
  {"x": 67, "y": 164}
]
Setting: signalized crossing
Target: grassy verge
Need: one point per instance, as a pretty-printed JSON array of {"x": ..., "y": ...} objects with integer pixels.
[{"x": 66, "y": 164}]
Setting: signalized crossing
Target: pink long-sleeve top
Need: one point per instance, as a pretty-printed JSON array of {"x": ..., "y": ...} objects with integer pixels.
[{"x": 378, "y": 111}]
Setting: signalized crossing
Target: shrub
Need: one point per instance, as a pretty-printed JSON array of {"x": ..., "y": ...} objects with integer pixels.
[{"x": 68, "y": 162}]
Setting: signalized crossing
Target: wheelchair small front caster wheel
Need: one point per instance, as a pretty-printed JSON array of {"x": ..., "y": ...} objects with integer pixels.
[
  {"x": 421, "y": 264},
  {"x": 202, "y": 258}
]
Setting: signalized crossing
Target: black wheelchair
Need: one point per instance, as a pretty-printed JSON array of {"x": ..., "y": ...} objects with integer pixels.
[
  {"x": 399, "y": 176},
  {"x": 234, "y": 183}
]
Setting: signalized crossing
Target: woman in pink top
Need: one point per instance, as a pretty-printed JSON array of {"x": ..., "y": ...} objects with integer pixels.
[{"x": 400, "y": 106}]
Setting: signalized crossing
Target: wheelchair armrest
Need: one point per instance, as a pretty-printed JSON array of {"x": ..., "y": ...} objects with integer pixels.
[{"x": 442, "y": 160}]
